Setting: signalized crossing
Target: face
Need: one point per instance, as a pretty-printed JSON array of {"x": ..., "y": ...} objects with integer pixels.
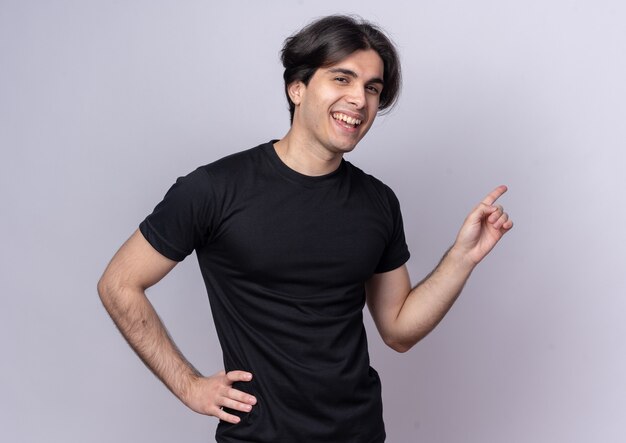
[{"x": 338, "y": 106}]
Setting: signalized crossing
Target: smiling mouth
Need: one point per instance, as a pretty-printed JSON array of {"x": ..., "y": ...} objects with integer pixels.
[{"x": 346, "y": 119}]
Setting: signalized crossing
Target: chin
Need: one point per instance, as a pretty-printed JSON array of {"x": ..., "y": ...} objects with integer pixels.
[{"x": 344, "y": 147}]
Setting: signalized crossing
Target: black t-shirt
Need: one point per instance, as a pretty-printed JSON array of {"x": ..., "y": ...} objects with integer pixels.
[{"x": 284, "y": 257}]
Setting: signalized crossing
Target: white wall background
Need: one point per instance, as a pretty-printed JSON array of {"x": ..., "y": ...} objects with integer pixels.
[{"x": 104, "y": 103}]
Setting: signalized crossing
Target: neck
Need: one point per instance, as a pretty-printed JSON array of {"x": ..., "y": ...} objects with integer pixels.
[{"x": 306, "y": 158}]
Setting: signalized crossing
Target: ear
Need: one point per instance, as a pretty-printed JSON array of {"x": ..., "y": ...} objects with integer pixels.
[{"x": 296, "y": 90}]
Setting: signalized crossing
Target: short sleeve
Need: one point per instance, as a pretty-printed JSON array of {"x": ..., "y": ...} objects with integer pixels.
[
  {"x": 396, "y": 252},
  {"x": 181, "y": 222}
]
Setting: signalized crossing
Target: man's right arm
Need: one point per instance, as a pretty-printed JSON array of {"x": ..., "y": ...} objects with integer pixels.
[{"x": 133, "y": 269}]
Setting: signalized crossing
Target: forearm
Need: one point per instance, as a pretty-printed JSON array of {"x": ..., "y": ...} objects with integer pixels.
[
  {"x": 430, "y": 300},
  {"x": 142, "y": 328}
]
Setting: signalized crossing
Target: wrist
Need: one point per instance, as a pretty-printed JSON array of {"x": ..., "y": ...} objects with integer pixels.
[
  {"x": 461, "y": 258},
  {"x": 186, "y": 387}
]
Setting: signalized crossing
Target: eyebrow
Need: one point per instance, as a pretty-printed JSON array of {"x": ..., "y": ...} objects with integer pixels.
[{"x": 353, "y": 74}]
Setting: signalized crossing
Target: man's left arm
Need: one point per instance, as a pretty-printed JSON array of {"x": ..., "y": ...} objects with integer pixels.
[{"x": 404, "y": 315}]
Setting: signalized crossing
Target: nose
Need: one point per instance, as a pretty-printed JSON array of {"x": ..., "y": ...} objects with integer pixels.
[{"x": 356, "y": 96}]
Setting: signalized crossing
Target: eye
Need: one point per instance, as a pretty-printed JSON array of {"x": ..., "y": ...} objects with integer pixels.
[
  {"x": 373, "y": 89},
  {"x": 341, "y": 79}
]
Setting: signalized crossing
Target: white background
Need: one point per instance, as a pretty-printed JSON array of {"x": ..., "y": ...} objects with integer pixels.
[{"x": 104, "y": 103}]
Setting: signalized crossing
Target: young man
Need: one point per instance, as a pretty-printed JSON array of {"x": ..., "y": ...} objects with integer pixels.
[{"x": 292, "y": 241}]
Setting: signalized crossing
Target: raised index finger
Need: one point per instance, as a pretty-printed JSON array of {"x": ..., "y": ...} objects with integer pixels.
[{"x": 494, "y": 195}]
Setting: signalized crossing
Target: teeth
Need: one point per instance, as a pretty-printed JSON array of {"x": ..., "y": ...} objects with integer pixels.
[{"x": 346, "y": 118}]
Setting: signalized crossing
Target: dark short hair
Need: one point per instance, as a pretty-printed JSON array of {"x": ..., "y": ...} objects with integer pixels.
[{"x": 329, "y": 40}]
